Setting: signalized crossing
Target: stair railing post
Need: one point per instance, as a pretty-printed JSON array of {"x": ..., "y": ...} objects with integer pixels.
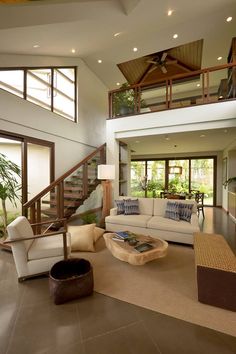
[
  {"x": 85, "y": 179},
  {"x": 32, "y": 216},
  {"x": 38, "y": 216}
]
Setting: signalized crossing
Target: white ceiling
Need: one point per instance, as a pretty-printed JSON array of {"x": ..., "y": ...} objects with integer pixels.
[
  {"x": 89, "y": 26},
  {"x": 213, "y": 140}
]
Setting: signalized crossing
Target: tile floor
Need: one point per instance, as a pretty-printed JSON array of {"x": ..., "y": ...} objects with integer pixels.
[{"x": 31, "y": 324}]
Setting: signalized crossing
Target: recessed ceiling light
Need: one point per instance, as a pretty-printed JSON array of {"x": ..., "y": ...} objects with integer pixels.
[
  {"x": 117, "y": 34},
  {"x": 219, "y": 58},
  {"x": 202, "y": 136},
  {"x": 225, "y": 131},
  {"x": 137, "y": 141},
  {"x": 229, "y": 19},
  {"x": 118, "y": 84},
  {"x": 99, "y": 61},
  {"x": 170, "y": 12},
  {"x": 220, "y": 97},
  {"x": 36, "y": 46},
  {"x": 175, "y": 36},
  {"x": 198, "y": 85},
  {"x": 135, "y": 49},
  {"x": 73, "y": 50}
]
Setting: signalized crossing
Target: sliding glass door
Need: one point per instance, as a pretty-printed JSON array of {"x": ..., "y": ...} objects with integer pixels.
[{"x": 150, "y": 177}]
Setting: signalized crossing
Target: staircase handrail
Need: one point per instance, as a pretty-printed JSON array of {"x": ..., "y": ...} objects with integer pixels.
[{"x": 61, "y": 178}]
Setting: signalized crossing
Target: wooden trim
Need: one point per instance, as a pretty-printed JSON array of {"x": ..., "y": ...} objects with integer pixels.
[
  {"x": 49, "y": 234},
  {"x": 24, "y": 175},
  {"x": 58, "y": 180}
]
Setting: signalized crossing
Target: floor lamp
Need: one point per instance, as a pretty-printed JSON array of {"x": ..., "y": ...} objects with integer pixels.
[{"x": 106, "y": 173}]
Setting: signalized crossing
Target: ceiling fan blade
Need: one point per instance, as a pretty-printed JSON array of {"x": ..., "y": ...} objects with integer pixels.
[
  {"x": 163, "y": 69},
  {"x": 151, "y": 62},
  {"x": 164, "y": 55},
  {"x": 152, "y": 69},
  {"x": 171, "y": 62}
]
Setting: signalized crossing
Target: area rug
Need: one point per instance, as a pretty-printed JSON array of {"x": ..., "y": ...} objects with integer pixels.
[{"x": 166, "y": 285}]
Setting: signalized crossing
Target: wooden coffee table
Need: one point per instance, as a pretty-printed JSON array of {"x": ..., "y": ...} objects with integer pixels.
[{"x": 127, "y": 253}]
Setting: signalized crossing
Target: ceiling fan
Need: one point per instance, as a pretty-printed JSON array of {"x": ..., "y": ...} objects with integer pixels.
[{"x": 160, "y": 62}]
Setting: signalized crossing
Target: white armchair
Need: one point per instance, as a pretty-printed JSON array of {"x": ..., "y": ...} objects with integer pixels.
[{"x": 35, "y": 254}]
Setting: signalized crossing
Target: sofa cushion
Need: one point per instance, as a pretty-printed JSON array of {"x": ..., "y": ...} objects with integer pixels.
[
  {"x": 160, "y": 205},
  {"x": 160, "y": 223},
  {"x": 145, "y": 205},
  {"x": 129, "y": 220},
  {"x": 131, "y": 207},
  {"x": 172, "y": 211}
]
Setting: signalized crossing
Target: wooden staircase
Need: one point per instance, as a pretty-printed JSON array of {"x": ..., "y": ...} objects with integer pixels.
[{"x": 63, "y": 196}]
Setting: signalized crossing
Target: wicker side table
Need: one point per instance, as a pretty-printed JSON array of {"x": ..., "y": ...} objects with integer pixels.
[{"x": 70, "y": 279}]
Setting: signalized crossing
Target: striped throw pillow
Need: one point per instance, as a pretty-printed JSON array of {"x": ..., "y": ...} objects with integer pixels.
[
  {"x": 120, "y": 204},
  {"x": 185, "y": 211},
  {"x": 172, "y": 211},
  {"x": 131, "y": 207}
]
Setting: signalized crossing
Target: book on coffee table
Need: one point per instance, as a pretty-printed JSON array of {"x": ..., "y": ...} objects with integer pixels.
[{"x": 143, "y": 247}]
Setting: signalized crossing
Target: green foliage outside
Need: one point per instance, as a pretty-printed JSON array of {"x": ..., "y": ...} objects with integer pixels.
[
  {"x": 10, "y": 218},
  {"x": 9, "y": 186}
]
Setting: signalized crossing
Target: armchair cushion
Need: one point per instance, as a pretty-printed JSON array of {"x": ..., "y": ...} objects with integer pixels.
[{"x": 51, "y": 246}]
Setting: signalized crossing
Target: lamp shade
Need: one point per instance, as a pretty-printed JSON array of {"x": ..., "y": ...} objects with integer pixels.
[{"x": 106, "y": 171}]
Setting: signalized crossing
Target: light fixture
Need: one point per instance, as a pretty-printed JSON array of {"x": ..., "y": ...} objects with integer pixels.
[
  {"x": 198, "y": 85},
  {"x": 72, "y": 50},
  {"x": 219, "y": 58},
  {"x": 117, "y": 84},
  {"x": 135, "y": 49},
  {"x": 202, "y": 136},
  {"x": 175, "y": 169},
  {"x": 170, "y": 12},
  {"x": 106, "y": 173},
  {"x": 229, "y": 19},
  {"x": 117, "y": 34},
  {"x": 99, "y": 61},
  {"x": 175, "y": 36},
  {"x": 36, "y": 46}
]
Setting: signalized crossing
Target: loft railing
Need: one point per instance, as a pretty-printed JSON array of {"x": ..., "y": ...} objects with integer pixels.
[
  {"x": 197, "y": 87},
  {"x": 63, "y": 196}
]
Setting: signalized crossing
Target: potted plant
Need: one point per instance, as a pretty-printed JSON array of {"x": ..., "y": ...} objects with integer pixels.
[
  {"x": 123, "y": 101},
  {"x": 9, "y": 185}
]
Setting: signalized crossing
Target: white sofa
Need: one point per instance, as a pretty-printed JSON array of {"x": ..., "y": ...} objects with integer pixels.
[{"x": 152, "y": 221}]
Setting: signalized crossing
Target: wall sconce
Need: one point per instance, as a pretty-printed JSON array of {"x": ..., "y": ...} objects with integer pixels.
[{"x": 106, "y": 173}]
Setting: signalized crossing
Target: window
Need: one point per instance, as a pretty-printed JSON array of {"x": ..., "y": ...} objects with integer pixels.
[
  {"x": 53, "y": 88},
  {"x": 150, "y": 177}
]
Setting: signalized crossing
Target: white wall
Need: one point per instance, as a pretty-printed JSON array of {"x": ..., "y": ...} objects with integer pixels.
[
  {"x": 73, "y": 141},
  {"x": 212, "y": 116}
]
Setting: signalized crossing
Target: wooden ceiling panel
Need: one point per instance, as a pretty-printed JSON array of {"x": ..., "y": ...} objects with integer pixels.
[{"x": 179, "y": 60}]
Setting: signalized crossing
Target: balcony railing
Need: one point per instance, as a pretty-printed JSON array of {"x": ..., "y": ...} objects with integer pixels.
[{"x": 210, "y": 85}]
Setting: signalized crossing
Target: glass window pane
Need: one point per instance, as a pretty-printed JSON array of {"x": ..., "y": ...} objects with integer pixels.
[
  {"x": 202, "y": 175},
  {"x": 138, "y": 180},
  {"x": 179, "y": 183},
  {"x": 156, "y": 178},
  {"x": 64, "y": 92},
  {"x": 38, "y": 87},
  {"x": 12, "y": 81}
]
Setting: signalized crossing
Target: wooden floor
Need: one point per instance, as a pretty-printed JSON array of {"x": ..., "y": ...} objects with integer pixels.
[{"x": 218, "y": 221}]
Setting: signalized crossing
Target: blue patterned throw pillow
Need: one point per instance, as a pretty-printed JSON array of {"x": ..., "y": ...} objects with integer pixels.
[
  {"x": 185, "y": 211},
  {"x": 131, "y": 207},
  {"x": 120, "y": 204},
  {"x": 172, "y": 211}
]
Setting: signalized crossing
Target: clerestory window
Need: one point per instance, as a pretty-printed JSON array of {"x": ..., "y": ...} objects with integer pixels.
[{"x": 53, "y": 88}]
